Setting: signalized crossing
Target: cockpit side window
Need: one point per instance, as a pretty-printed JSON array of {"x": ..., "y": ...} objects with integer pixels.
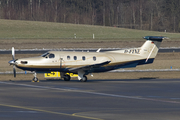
[
  {"x": 51, "y": 55},
  {"x": 48, "y": 55}
]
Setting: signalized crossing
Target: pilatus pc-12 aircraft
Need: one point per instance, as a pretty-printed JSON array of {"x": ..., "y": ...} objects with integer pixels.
[{"x": 84, "y": 63}]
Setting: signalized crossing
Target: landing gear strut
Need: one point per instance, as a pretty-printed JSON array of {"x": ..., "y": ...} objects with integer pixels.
[{"x": 35, "y": 79}]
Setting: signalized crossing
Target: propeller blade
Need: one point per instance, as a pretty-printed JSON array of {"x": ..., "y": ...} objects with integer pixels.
[
  {"x": 14, "y": 70},
  {"x": 12, "y": 62},
  {"x": 13, "y": 53}
]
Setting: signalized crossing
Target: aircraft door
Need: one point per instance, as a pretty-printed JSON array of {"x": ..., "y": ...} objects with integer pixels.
[{"x": 62, "y": 62}]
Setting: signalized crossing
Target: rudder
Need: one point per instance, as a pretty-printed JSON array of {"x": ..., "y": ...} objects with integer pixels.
[{"x": 150, "y": 48}]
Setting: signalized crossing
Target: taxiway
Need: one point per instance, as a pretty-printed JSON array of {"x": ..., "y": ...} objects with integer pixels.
[{"x": 126, "y": 99}]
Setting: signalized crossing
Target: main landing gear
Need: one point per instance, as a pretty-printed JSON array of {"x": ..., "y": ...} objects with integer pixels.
[
  {"x": 81, "y": 76},
  {"x": 35, "y": 79},
  {"x": 83, "y": 79},
  {"x": 66, "y": 77}
]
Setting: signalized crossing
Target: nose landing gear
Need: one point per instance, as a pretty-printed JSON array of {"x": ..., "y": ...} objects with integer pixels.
[{"x": 35, "y": 79}]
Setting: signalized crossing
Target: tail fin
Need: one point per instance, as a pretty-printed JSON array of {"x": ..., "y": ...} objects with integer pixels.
[
  {"x": 150, "y": 48},
  {"x": 147, "y": 51}
]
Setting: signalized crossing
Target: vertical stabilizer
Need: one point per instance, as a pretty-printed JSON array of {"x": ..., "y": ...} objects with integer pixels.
[{"x": 150, "y": 48}]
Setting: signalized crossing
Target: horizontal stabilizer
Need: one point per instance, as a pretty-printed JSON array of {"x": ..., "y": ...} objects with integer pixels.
[{"x": 154, "y": 38}]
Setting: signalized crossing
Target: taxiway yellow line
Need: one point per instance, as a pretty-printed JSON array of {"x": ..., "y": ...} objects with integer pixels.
[{"x": 46, "y": 111}]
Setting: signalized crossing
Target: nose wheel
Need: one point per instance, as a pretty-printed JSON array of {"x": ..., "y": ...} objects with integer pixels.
[{"x": 35, "y": 79}]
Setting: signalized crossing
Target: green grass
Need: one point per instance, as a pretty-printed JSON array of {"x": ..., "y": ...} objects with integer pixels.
[{"x": 16, "y": 29}]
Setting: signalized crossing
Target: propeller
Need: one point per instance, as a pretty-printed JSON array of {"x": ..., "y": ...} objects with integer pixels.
[
  {"x": 12, "y": 62},
  {"x": 14, "y": 70},
  {"x": 13, "y": 53}
]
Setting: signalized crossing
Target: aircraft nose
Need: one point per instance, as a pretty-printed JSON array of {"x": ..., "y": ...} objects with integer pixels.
[{"x": 12, "y": 62}]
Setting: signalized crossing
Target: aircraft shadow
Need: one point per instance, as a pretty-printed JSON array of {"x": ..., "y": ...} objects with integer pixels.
[
  {"x": 90, "y": 80},
  {"x": 140, "y": 79},
  {"x": 99, "y": 80}
]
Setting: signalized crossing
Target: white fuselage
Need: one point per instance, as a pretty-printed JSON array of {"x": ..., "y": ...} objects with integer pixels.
[{"x": 84, "y": 63}]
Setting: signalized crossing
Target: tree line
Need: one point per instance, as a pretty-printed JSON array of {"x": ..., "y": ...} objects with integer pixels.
[{"x": 155, "y": 15}]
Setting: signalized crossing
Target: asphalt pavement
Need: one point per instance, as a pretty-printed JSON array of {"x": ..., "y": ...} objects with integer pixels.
[{"x": 126, "y": 99}]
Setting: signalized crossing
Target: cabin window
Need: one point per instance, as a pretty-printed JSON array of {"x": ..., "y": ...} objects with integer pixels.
[
  {"x": 68, "y": 57},
  {"x": 94, "y": 58},
  {"x": 83, "y": 58},
  {"x": 75, "y": 57},
  {"x": 51, "y": 55}
]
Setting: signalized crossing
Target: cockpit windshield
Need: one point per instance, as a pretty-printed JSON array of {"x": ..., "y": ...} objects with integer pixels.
[
  {"x": 45, "y": 54},
  {"x": 48, "y": 55}
]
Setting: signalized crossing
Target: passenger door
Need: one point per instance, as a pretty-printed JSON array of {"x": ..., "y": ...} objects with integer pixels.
[{"x": 62, "y": 61}]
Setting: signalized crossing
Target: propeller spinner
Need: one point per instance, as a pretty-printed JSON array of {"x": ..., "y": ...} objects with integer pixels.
[{"x": 13, "y": 62}]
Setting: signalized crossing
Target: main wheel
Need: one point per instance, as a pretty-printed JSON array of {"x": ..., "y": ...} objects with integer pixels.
[
  {"x": 84, "y": 79},
  {"x": 67, "y": 78},
  {"x": 35, "y": 79}
]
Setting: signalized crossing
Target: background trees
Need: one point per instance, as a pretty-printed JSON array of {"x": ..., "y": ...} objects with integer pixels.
[{"x": 158, "y": 15}]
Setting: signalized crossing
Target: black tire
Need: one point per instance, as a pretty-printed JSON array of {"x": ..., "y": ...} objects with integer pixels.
[
  {"x": 84, "y": 79},
  {"x": 35, "y": 79},
  {"x": 67, "y": 78}
]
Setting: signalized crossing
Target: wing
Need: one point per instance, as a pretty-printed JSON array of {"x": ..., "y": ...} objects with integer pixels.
[{"x": 88, "y": 67}]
